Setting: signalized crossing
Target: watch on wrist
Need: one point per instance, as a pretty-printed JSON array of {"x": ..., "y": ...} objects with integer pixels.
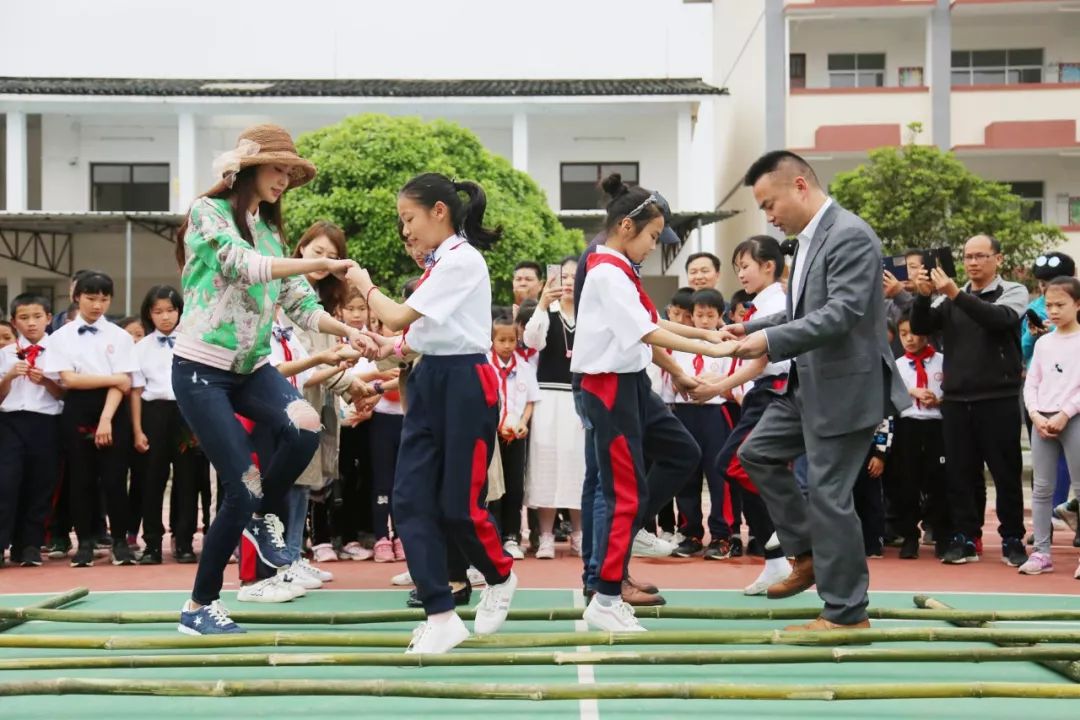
[{"x": 377, "y": 387}]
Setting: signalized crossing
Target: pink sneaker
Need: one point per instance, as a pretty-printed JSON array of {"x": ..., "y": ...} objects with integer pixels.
[
  {"x": 324, "y": 553},
  {"x": 355, "y": 551},
  {"x": 399, "y": 550},
  {"x": 1037, "y": 564},
  {"x": 384, "y": 550}
]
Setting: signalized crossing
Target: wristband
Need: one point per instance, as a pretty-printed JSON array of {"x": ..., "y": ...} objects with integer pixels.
[
  {"x": 399, "y": 347},
  {"x": 377, "y": 387}
]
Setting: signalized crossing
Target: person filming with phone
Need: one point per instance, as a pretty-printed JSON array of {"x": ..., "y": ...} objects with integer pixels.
[{"x": 980, "y": 329}]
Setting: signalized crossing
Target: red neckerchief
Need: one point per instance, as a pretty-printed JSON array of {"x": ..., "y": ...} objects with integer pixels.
[
  {"x": 426, "y": 275},
  {"x": 287, "y": 352},
  {"x": 504, "y": 375},
  {"x": 599, "y": 258},
  {"x": 29, "y": 353},
  {"x": 526, "y": 352},
  {"x": 699, "y": 364},
  {"x": 735, "y": 363},
  {"x": 922, "y": 380}
]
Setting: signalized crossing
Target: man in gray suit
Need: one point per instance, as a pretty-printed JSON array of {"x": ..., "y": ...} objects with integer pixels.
[{"x": 841, "y": 386}]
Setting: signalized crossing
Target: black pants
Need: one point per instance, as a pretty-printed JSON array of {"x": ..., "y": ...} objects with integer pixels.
[
  {"x": 353, "y": 514},
  {"x": 91, "y": 467},
  {"x": 709, "y": 425},
  {"x": 632, "y": 426},
  {"x": 870, "y": 507},
  {"x": 385, "y": 442},
  {"x": 29, "y": 471},
  {"x": 166, "y": 430},
  {"x": 916, "y": 478},
  {"x": 136, "y": 482},
  {"x": 978, "y": 433},
  {"x": 507, "y": 509}
]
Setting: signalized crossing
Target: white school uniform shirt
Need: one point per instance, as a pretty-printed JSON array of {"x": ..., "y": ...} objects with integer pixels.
[
  {"x": 611, "y": 322},
  {"x": 25, "y": 396},
  {"x": 935, "y": 375},
  {"x": 155, "y": 356},
  {"x": 709, "y": 366},
  {"x": 296, "y": 349},
  {"x": 770, "y": 301},
  {"x": 108, "y": 351},
  {"x": 521, "y": 389},
  {"x": 454, "y": 297},
  {"x": 386, "y": 406}
]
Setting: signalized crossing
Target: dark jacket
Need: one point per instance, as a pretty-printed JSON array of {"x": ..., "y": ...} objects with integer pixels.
[{"x": 981, "y": 335}]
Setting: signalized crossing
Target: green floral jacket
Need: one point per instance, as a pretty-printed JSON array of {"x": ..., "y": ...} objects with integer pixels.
[{"x": 229, "y": 296}]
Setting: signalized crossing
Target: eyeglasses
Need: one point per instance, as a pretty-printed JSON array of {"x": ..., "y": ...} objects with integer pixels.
[
  {"x": 653, "y": 198},
  {"x": 977, "y": 257},
  {"x": 1047, "y": 261}
]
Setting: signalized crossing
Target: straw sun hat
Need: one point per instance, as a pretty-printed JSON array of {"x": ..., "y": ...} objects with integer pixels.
[{"x": 264, "y": 145}]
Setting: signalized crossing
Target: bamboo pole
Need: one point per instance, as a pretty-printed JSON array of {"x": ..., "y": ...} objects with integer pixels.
[
  {"x": 564, "y": 691},
  {"x": 472, "y": 659},
  {"x": 510, "y": 640},
  {"x": 55, "y": 601},
  {"x": 1065, "y": 668},
  {"x": 661, "y": 612}
]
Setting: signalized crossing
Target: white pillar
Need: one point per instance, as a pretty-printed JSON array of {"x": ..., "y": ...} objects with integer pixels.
[
  {"x": 14, "y": 286},
  {"x": 186, "y": 161},
  {"x": 127, "y": 269},
  {"x": 520, "y": 154},
  {"x": 684, "y": 195},
  {"x": 16, "y": 161}
]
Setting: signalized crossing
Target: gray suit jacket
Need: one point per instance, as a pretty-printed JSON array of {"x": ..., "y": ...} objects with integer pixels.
[{"x": 835, "y": 330}]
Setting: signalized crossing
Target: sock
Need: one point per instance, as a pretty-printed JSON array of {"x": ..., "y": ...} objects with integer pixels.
[
  {"x": 608, "y": 600},
  {"x": 456, "y": 586},
  {"x": 441, "y": 618},
  {"x": 778, "y": 564},
  {"x": 191, "y": 606}
]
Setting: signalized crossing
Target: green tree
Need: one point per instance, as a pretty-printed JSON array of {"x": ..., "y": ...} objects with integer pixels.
[
  {"x": 364, "y": 160},
  {"x": 918, "y": 196}
]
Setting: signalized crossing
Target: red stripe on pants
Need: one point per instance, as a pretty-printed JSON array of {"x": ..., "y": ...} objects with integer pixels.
[
  {"x": 624, "y": 479},
  {"x": 249, "y": 559},
  {"x": 603, "y": 385},
  {"x": 481, "y": 519},
  {"x": 736, "y": 471}
]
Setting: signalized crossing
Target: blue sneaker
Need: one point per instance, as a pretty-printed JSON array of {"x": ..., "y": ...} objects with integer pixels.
[
  {"x": 266, "y": 534},
  {"x": 212, "y": 619}
]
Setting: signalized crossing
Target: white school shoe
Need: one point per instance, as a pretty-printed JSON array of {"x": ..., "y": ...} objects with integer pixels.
[
  {"x": 769, "y": 576},
  {"x": 514, "y": 550},
  {"x": 546, "y": 549},
  {"x": 494, "y": 605},
  {"x": 476, "y": 578},
  {"x": 648, "y": 545},
  {"x": 773, "y": 542},
  {"x": 289, "y": 581},
  {"x": 265, "y": 591},
  {"x": 298, "y": 575},
  {"x": 324, "y": 575},
  {"x": 618, "y": 617},
  {"x": 438, "y": 638},
  {"x": 402, "y": 579}
]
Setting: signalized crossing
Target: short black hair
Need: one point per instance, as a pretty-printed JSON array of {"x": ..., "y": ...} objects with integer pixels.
[
  {"x": 130, "y": 320},
  {"x": 92, "y": 282},
  {"x": 569, "y": 259},
  {"x": 1067, "y": 283},
  {"x": 698, "y": 255},
  {"x": 772, "y": 161},
  {"x": 159, "y": 292},
  {"x": 741, "y": 297},
  {"x": 525, "y": 312},
  {"x": 709, "y": 298},
  {"x": 25, "y": 299},
  {"x": 501, "y": 319},
  {"x": 530, "y": 265},
  {"x": 502, "y": 311},
  {"x": 682, "y": 299}
]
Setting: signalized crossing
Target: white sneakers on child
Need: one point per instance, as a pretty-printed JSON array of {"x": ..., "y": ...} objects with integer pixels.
[
  {"x": 514, "y": 550},
  {"x": 617, "y": 617},
  {"x": 773, "y": 572},
  {"x": 297, "y": 574},
  {"x": 494, "y": 605},
  {"x": 436, "y": 638},
  {"x": 270, "y": 590},
  {"x": 318, "y": 572},
  {"x": 546, "y": 548},
  {"x": 648, "y": 545},
  {"x": 402, "y": 579}
]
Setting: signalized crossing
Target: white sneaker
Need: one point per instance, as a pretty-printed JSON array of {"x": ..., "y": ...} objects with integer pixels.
[
  {"x": 476, "y": 578},
  {"x": 437, "y": 638},
  {"x": 514, "y": 550},
  {"x": 356, "y": 551},
  {"x": 668, "y": 536},
  {"x": 325, "y": 553},
  {"x": 265, "y": 591},
  {"x": 648, "y": 545},
  {"x": 1062, "y": 512},
  {"x": 773, "y": 542},
  {"x": 494, "y": 604},
  {"x": 324, "y": 575},
  {"x": 289, "y": 581},
  {"x": 575, "y": 543},
  {"x": 613, "y": 618},
  {"x": 769, "y": 576},
  {"x": 299, "y": 575},
  {"x": 402, "y": 579},
  {"x": 546, "y": 551}
]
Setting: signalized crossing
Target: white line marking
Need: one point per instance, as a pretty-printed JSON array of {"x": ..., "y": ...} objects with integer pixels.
[{"x": 589, "y": 709}]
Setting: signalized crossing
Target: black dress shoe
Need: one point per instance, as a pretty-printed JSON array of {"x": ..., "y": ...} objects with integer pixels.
[
  {"x": 185, "y": 557},
  {"x": 461, "y": 597},
  {"x": 151, "y": 556}
]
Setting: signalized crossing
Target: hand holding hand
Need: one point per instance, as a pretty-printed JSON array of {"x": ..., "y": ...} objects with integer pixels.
[
  {"x": 359, "y": 278},
  {"x": 521, "y": 431},
  {"x": 684, "y": 383},
  {"x": 1057, "y": 423},
  {"x": 35, "y": 375},
  {"x": 705, "y": 392},
  {"x": 122, "y": 382},
  {"x": 753, "y": 346},
  {"x": 385, "y": 345},
  {"x": 19, "y": 369},
  {"x": 362, "y": 342}
]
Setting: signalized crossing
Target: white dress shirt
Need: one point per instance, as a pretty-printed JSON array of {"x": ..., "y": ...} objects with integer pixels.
[
  {"x": 771, "y": 301},
  {"x": 25, "y": 396},
  {"x": 521, "y": 388},
  {"x": 155, "y": 357},
  {"x": 935, "y": 375},
  {"x": 709, "y": 366},
  {"x": 455, "y": 301},
  {"x": 108, "y": 351},
  {"x": 611, "y": 321},
  {"x": 296, "y": 350},
  {"x": 806, "y": 238}
]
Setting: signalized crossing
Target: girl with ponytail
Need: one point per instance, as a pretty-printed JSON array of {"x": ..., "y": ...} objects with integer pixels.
[{"x": 447, "y": 438}]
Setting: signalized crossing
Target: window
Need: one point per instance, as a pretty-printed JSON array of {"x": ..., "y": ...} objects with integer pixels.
[
  {"x": 1074, "y": 211},
  {"x": 997, "y": 67},
  {"x": 797, "y": 70},
  {"x": 850, "y": 70},
  {"x": 579, "y": 187},
  {"x": 129, "y": 187},
  {"x": 1032, "y": 191},
  {"x": 911, "y": 77}
]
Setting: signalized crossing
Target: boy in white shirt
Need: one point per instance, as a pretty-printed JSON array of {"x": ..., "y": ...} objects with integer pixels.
[{"x": 30, "y": 405}]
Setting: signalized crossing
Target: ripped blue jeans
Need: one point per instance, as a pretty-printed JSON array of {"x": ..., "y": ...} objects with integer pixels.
[{"x": 209, "y": 399}]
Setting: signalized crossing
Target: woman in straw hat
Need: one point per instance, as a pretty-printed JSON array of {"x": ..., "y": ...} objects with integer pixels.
[{"x": 235, "y": 271}]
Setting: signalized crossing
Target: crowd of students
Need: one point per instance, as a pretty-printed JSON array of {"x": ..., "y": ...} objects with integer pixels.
[{"x": 91, "y": 430}]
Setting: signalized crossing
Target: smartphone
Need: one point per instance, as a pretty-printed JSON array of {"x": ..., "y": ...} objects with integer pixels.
[
  {"x": 554, "y": 274},
  {"x": 940, "y": 258},
  {"x": 1034, "y": 319},
  {"x": 897, "y": 265}
]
